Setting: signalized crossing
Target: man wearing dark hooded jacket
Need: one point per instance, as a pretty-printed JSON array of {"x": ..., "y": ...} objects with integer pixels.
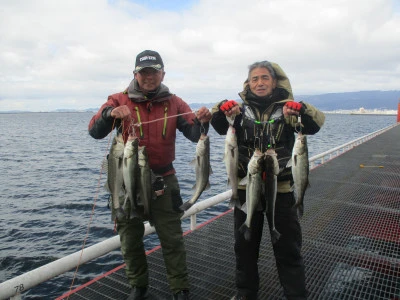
[
  {"x": 157, "y": 114},
  {"x": 268, "y": 117}
]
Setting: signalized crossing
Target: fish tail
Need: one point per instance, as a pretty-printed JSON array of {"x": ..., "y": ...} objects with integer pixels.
[
  {"x": 234, "y": 202},
  {"x": 133, "y": 214},
  {"x": 120, "y": 214},
  {"x": 125, "y": 202},
  {"x": 275, "y": 235},
  {"x": 300, "y": 210},
  {"x": 246, "y": 231},
  {"x": 185, "y": 206}
]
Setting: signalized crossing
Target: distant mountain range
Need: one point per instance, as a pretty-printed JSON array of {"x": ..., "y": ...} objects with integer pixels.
[
  {"x": 354, "y": 100},
  {"x": 381, "y": 100},
  {"x": 344, "y": 101}
]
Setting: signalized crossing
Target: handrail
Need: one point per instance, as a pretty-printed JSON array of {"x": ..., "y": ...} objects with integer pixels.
[
  {"x": 15, "y": 286},
  {"x": 334, "y": 152}
]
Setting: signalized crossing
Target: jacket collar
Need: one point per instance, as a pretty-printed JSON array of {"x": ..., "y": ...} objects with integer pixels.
[{"x": 136, "y": 95}]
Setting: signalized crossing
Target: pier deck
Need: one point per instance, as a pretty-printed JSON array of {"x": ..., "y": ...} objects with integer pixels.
[{"x": 351, "y": 237}]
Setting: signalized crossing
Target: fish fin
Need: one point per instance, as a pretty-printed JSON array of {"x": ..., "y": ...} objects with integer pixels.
[
  {"x": 243, "y": 228},
  {"x": 259, "y": 206},
  {"x": 104, "y": 165},
  {"x": 125, "y": 202},
  {"x": 193, "y": 162},
  {"x": 208, "y": 186},
  {"x": 134, "y": 214},
  {"x": 289, "y": 163},
  {"x": 246, "y": 231},
  {"x": 194, "y": 187},
  {"x": 120, "y": 214},
  {"x": 138, "y": 200},
  {"x": 185, "y": 206},
  {"x": 300, "y": 210},
  {"x": 295, "y": 160},
  {"x": 275, "y": 235},
  {"x": 234, "y": 202},
  {"x": 243, "y": 181},
  {"x": 107, "y": 187},
  {"x": 228, "y": 183},
  {"x": 296, "y": 195},
  {"x": 244, "y": 208},
  {"x": 238, "y": 203},
  {"x": 211, "y": 171}
]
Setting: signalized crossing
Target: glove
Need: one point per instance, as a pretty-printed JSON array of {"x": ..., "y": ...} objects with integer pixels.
[
  {"x": 297, "y": 106},
  {"x": 228, "y": 105}
]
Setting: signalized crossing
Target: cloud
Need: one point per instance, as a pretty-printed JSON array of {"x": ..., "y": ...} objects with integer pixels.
[{"x": 73, "y": 54}]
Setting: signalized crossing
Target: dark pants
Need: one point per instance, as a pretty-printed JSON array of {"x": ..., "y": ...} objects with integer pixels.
[{"x": 287, "y": 250}]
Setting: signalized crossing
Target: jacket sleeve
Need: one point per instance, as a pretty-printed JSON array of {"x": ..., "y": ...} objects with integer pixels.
[
  {"x": 188, "y": 124},
  {"x": 102, "y": 123},
  {"x": 219, "y": 121},
  {"x": 312, "y": 119}
]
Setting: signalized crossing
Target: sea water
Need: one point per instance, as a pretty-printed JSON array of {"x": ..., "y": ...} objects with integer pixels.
[{"x": 52, "y": 194}]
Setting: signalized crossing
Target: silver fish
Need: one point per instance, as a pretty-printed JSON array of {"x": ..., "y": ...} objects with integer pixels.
[
  {"x": 203, "y": 170},
  {"x": 231, "y": 159},
  {"x": 271, "y": 168},
  {"x": 300, "y": 170},
  {"x": 253, "y": 191},
  {"x": 130, "y": 172},
  {"x": 145, "y": 183},
  {"x": 114, "y": 174}
]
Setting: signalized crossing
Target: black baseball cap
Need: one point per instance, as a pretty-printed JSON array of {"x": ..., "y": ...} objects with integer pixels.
[{"x": 148, "y": 59}]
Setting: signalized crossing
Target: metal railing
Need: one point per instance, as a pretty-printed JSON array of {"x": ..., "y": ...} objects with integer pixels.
[
  {"x": 321, "y": 158},
  {"x": 14, "y": 287}
]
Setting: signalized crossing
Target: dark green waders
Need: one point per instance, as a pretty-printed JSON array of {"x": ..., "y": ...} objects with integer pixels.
[{"x": 165, "y": 215}]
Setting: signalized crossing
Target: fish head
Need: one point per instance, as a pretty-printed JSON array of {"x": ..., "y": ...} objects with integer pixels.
[
  {"x": 131, "y": 147},
  {"x": 117, "y": 146},
  {"x": 271, "y": 162},
  {"x": 203, "y": 145},
  {"x": 300, "y": 146},
  {"x": 231, "y": 138},
  {"x": 142, "y": 151},
  {"x": 255, "y": 162}
]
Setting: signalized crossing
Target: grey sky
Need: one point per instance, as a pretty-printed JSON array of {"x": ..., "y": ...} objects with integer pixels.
[{"x": 73, "y": 54}]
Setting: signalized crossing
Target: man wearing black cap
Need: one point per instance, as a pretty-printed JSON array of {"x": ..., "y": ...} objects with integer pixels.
[{"x": 157, "y": 114}]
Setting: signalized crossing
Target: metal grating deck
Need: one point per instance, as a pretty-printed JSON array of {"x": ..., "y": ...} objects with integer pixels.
[{"x": 351, "y": 233}]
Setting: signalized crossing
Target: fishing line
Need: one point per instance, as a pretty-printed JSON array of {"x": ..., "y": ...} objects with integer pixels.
[
  {"x": 162, "y": 119},
  {"x": 299, "y": 125},
  {"x": 91, "y": 216}
]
